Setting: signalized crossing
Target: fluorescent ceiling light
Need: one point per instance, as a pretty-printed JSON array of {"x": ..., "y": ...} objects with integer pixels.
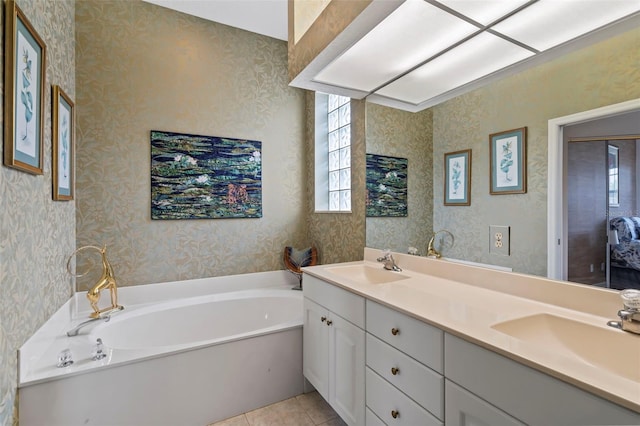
[
  {"x": 548, "y": 23},
  {"x": 483, "y": 11},
  {"x": 413, "y": 33},
  {"x": 478, "y": 57}
]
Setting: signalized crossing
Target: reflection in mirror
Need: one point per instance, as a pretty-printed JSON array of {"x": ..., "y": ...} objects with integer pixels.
[
  {"x": 395, "y": 133},
  {"x": 567, "y": 85}
]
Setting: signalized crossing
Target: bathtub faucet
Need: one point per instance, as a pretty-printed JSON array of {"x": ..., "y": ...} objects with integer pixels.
[{"x": 107, "y": 281}]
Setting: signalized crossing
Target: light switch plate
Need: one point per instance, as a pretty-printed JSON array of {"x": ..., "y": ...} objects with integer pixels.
[{"x": 499, "y": 240}]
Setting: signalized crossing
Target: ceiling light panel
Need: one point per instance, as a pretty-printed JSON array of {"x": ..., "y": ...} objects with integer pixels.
[
  {"x": 414, "y": 32},
  {"x": 483, "y": 11},
  {"x": 548, "y": 23},
  {"x": 478, "y": 57}
]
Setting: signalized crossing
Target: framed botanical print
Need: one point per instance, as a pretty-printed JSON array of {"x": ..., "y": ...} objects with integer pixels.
[
  {"x": 508, "y": 162},
  {"x": 457, "y": 178},
  {"x": 24, "y": 74},
  {"x": 63, "y": 145}
]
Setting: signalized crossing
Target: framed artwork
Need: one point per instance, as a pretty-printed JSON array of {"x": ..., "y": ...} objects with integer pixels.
[
  {"x": 205, "y": 177},
  {"x": 457, "y": 178},
  {"x": 24, "y": 74},
  {"x": 614, "y": 173},
  {"x": 63, "y": 145},
  {"x": 386, "y": 180},
  {"x": 508, "y": 162}
]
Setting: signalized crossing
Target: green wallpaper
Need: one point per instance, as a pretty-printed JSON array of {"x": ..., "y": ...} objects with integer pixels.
[
  {"x": 603, "y": 74},
  {"x": 36, "y": 233},
  {"x": 142, "y": 67}
]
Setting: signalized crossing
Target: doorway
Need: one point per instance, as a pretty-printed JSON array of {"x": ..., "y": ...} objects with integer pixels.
[{"x": 557, "y": 212}]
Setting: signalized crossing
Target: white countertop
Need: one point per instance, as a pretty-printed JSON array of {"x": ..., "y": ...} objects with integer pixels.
[{"x": 466, "y": 301}]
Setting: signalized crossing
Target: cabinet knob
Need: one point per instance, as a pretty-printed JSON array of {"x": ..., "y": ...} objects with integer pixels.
[
  {"x": 395, "y": 331},
  {"x": 395, "y": 414},
  {"x": 323, "y": 319},
  {"x": 329, "y": 322},
  {"x": 394, "y": 371}
]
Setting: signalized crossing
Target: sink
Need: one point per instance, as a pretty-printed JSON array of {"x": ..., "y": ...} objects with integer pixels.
[
  {"x": 367, "y": 274},
  {"x": 610, "y": 349}
]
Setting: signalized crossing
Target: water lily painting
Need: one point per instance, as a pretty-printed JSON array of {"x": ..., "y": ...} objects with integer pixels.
[
  {"x": 205, "y": 177},
  {"x": 24, "y": 93},
  {"x": 457, "y": 178},
  {"x": 386, "y": 186},
  {"x": 508, "y": 162}
]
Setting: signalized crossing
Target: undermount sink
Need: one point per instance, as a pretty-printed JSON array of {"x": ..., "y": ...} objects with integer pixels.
[
  {"x": 367, "y": 274},
  {"x": 610, "y": 349}
]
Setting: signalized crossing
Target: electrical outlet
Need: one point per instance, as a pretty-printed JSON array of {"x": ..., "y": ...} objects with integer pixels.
[{"x": 499, "y": 240}]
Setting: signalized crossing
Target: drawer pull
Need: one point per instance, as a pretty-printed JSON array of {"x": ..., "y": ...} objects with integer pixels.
[
  {"x": 395, "y": 331},
  {"x": 323, "y": 319},
  {"x": 395, "y": 414},
  {"x": 329, "y": 322},
  {"x": 394, "y": 371}
]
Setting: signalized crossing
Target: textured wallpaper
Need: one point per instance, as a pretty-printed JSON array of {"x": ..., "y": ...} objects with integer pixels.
[
  {"x": 603, "y": 74},
  {"x": 141, "y": 67},
  {"x": 36, "y": 233},
  {"x": 339, "y": 237},
  {"x": 404, "y": 134}
]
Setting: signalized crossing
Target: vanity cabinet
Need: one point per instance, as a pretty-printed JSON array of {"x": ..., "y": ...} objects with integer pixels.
[
  {"x": 334, "y": 347},
  {"x": 499, "y": 391},
  {"x": 404, "y": 382}
]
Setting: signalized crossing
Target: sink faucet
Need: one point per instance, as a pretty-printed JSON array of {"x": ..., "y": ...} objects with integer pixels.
[
  {"x": 630, "y": 315},
  {"x": 431, "y": 249},
  {"x": 388, "y": 261}
]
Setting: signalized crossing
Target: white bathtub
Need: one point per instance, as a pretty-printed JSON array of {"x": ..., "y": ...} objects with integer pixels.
[{"x": 196, "y": 359}]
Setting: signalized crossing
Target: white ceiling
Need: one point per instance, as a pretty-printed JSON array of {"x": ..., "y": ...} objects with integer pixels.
[{"x": 266, "y": 17}]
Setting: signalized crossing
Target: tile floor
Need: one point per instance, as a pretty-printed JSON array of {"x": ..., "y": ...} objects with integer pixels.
[{"x": 308, "y": 409}]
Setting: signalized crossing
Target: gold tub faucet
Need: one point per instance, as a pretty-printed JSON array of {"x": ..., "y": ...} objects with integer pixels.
[
  {"x": 107, "y": 281},
  {"x": 431, "y": 250}
]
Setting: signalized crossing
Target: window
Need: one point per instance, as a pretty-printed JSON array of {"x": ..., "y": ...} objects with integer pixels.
[{"x": 333, "y": 153}]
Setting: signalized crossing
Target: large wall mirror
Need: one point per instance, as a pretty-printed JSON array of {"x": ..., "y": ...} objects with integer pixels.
[{"x": 590, "y": 78}]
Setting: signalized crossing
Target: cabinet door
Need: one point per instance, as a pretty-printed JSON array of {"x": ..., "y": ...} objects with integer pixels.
[
  {"x": 315, "y": 341},
  {"x": 465, "y": 409},
  {"x": 346, "y": 370}
]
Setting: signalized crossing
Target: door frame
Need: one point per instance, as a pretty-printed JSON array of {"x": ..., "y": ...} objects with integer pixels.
[{"x": 557, "y": 216}]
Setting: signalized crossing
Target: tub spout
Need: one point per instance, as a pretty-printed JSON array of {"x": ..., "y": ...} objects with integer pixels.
[{"x": 106, "y": 316}]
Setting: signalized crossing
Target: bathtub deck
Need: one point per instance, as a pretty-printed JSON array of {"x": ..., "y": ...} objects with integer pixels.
[{"x": 303, "y": 410}]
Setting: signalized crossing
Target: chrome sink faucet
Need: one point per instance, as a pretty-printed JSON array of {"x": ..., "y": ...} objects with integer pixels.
[
  {"x": 389, "y": 263},
  {"x": 630, "y": 315}
]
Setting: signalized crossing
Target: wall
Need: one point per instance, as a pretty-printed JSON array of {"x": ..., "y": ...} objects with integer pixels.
[
  {"x": 143, "y": 67},
  {"x": 603, "y": 74},
  {"x": 339, "y": 237},
  {"x": 403, "y": 134},
  {"x": 36, "y": 233}
]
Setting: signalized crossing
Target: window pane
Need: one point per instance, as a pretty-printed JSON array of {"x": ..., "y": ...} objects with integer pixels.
[
  {"x": 334, "y": 180},
  {"x": 334, "y": 201},
  {"x": 345, "y": 136},
  {"x": 333, "y": 121},
  {"x": 345, "y": 114},
  {"x": 343, "y": 100},
  {"x": 334, "y": 160},
  {"x": 334, "y": 140},
  {"x": 345, "y": 179},
  {"x": 345, "y": 157},
  {"x": 334, "y": 102},
  {"x": 345, "y": 200}
]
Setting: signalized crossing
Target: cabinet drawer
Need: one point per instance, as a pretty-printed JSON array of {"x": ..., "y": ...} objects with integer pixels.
[
  {"x": 415, "y": 338},
  {"x": 393, "y": 407},
  {"x": 342, "y": 302},
  {"x": 372, "y": 420},
  {"x": 422, "y": 384}
]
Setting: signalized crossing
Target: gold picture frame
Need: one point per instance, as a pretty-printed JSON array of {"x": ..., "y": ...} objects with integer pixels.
[
  {"x": 457, "y": 178},
  {"x": 24, "y": 82},
  {"x": 508, "y": 162},
  {"x": 63, "y": 145}
]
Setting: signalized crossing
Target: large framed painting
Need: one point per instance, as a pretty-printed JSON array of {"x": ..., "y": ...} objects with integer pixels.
[
  {"x": 63, "y": 145},
  {"x": 24, "y": 82},
  {"x": 457, "y": 178},
  {"x": 386, "y": 180},
  {"x": 508, "y": 162},
  {"x": 205, "y": 177}
]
